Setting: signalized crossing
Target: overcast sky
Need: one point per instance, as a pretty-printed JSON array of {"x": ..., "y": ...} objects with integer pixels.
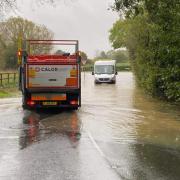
[{"x": 88, "y": 21}]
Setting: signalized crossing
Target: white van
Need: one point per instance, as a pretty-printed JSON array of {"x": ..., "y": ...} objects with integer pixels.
[{"x": 105, "y": 72}]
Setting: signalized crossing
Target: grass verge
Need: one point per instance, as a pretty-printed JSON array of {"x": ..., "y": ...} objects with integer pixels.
[{"x": 9, "y": 92}]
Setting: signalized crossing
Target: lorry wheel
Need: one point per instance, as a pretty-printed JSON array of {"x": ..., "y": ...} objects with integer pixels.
[
  {"x": 25, "y": 107},
  {"x": 74, "y": 108},
  {"x": 24, "y": 102}
]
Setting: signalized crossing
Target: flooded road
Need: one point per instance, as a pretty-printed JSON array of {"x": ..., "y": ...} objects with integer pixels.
[{"x": 119, "y": 133}]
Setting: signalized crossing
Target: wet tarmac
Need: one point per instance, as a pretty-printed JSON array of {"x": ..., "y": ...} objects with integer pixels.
[{"x": 118, "y": 133}]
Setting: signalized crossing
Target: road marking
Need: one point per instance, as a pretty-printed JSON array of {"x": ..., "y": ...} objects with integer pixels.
[
  {"x": 95, "y": 145},
  {"x": 10, "y": 137},
  {"x": 103, "y": 155}
]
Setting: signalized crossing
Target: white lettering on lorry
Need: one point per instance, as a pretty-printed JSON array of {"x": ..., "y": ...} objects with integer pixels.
[{"x": 49, "y": 69}]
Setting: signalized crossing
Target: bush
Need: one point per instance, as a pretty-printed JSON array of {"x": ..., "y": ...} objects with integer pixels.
[{"x": 151, "y": 34}]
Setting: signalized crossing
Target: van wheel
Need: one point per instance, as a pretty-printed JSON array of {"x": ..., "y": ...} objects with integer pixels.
[
  {"x": 113, "y": 82},
  {"x": 95, "y": 82}
]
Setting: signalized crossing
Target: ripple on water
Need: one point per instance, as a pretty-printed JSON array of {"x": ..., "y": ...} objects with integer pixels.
[{"x": 123, "y": 125}]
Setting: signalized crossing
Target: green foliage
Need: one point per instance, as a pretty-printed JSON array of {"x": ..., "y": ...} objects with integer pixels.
[
  {"x": 118, "y": 55},
  {"x": 3, "y": 94},
  {"x": 10, "y": 57},
  {"x": 123, "y": 66},
  {"x": 152, "y": 39},
  {"x": 59, "y": 52},
  {"x": 119, "y": 66},
  {"x": 103, "y": 55},
  {"x": 129, "y": 8},
  {"x": 11, "y": 30},
  {"x": 84, "y": 56},
  {"x": 9, "y": 92}
]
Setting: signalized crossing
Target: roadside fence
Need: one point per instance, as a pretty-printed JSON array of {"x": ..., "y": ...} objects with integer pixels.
[{"x": 7, "y": 79}]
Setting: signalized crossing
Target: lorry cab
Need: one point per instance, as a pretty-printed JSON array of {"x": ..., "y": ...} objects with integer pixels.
[{"x": 105, "y": 72}]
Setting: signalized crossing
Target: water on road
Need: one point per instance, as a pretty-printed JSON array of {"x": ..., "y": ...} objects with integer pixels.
[{"x": 118, "y": 133}]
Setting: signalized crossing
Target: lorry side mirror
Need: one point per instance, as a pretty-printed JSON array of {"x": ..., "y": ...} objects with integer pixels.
[
  {"x": 92, "y": 72},
  {"x": 116, "y": 73}
]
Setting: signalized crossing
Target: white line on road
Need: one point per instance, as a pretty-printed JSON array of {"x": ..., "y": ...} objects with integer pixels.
[
  {"x": 119, "y": 176},
  {"x": 10, "y": 137},
  {"x": 95, "y": 144}
]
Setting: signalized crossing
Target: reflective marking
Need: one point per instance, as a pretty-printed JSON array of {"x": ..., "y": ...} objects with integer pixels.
[
  {"x": 10, "y": 137},
  {"x": 105, "y": 157},
  {"x": 95, "y": 144}
]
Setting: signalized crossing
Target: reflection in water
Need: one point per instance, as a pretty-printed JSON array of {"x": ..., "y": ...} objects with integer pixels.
[
  {"x": 158, "y": 137},
  {"x": 161, "y": 163},
  {"x": 30, "y": 130},
  {"x": 39, "y": 126},
  {"x": 74, "y": 134},
  {"x": 158, "y": 121}
]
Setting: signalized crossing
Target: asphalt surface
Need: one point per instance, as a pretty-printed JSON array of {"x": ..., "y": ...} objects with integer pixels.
[{"x": 118, "y": 133}]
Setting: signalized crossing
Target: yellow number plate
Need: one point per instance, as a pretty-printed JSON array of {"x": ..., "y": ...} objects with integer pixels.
[{"x": 49, "y": 103}]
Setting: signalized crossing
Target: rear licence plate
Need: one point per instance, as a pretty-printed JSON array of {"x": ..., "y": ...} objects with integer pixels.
[{"x": 49, "y": 103}]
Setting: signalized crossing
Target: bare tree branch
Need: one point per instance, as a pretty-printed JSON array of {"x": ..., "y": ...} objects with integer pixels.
[{"x": 7, "y": 6}]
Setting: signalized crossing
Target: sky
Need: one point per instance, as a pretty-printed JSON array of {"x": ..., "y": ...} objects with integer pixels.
[{"x": 88, "y": 21}]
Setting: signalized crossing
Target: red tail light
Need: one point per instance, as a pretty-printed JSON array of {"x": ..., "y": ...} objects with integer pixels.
[
  {"x": 31, "y": 103},
  {"x": 74, "y": 102}
]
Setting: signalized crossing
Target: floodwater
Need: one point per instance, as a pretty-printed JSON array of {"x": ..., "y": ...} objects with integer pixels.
[{"x": 118, "y": 133}]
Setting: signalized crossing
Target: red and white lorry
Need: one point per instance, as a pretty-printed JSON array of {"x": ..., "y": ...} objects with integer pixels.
[{"x": 50, "y": 80}]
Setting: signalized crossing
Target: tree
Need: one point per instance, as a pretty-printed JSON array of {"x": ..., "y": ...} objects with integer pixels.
[
  {"x": 101, "y": 55},
  {"x": 11, "y": 29},
  {"x": 128, "y": 8},
  {"x": 84, "y": 57},
  {"x": 150, "y": 32},
  {"x": 59, "y": 52},
  {"x": 118, "y": 55},
  {"x": 7, "y": 5},
  {"x": 12, "y": 4},
  {"x": 10, "y": 57}
]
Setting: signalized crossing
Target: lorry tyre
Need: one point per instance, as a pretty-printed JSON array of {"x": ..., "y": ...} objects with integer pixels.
[
  {"x": 24, "y": 102},
  {"x": 75, "y": 108},
  {"x": 24, "y": 105}
]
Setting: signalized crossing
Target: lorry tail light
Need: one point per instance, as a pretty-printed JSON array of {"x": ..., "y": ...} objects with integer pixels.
[
  {"x": 74, "y": 102},
  {"x": 31, "y": 103}
]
